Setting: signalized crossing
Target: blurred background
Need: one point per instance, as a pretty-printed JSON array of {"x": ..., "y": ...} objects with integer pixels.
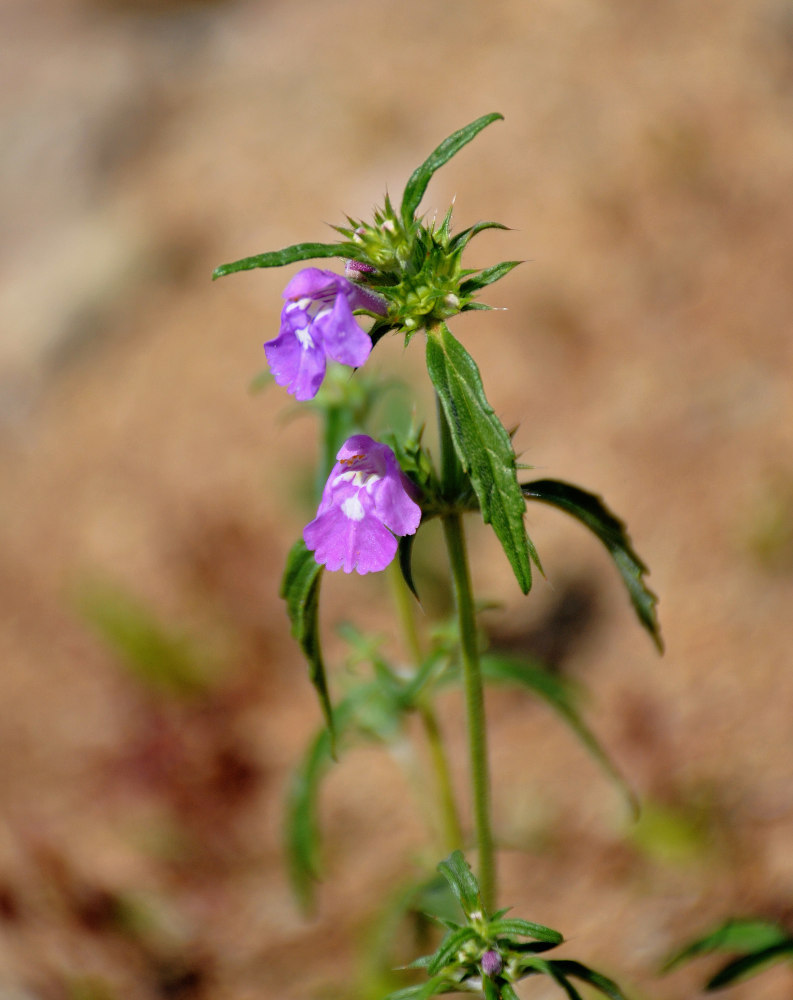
[{"x": 152, "y": 704}]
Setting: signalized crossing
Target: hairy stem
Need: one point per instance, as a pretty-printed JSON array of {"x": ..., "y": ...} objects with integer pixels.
[{"x": 472, "y": 676}]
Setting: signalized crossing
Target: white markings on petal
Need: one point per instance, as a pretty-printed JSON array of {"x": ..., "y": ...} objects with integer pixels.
[
  {"x": 304, "y": 338},
  {"x": 353, "y": 509}
]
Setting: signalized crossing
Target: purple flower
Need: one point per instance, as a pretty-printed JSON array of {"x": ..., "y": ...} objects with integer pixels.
[
  {"x": 317, "y": 323},
  {"x": 365, "y": 503}
]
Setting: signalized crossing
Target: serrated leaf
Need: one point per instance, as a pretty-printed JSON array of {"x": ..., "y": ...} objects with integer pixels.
[
  {"x": 558, "y": 694},
  {"x": 525, "y": 928},
  {"x": 483, "y": 446},
  {"x": 300, "y": 590},
  {"x": 457, "y": 872},
  {"x": 279, "y": 258},
  {"x": 421, "y": 176},
  {"x": 590, "y": 510},
  {"x": 750, "y": 965},
  {"x": 488, "y": 276},
  {"x": 735, "y": 935}
]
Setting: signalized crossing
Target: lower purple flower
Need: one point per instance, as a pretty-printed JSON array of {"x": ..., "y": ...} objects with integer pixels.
[
  {"x": 365, "y": 504},
  {"x": 317, "y": 322}
]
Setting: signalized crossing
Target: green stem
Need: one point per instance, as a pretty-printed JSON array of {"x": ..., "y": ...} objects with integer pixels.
[
  {"x": 472, "y": 676},
  {"x": 451, "y": 827}
]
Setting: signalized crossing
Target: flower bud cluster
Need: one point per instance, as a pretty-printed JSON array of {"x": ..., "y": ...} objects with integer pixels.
[{"x": 415, "y": 268}]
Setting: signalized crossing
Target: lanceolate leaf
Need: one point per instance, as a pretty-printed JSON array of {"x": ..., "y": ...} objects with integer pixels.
[
  {"x": 302, "y": 835},
  {"x": 300, "y": 590},
  {"x": 488, "y": 276},
  {"x": 302, "y": 826},
  {"x": 483, "y": 446},
  {"x": 525, "y": 928},
  {"x": 421, "y": 176},
  {"x": 449, "y": 947},
  {"x": 457, "y": 872},
  {"x": 733, "y": 936},
  {"x": 750, "y": 965},
  {"x": 591, "y": 511},
  {"x": 404, "y": 554},
  {"x": 464, "y": 237},
  {"x": 557, "y": 693},
  {"x": 567, "y": 968},
  {"x": 278, "y": 258}
]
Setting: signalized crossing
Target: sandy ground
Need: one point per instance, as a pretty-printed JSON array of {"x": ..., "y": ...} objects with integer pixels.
[{"x": 646, "y": 352}]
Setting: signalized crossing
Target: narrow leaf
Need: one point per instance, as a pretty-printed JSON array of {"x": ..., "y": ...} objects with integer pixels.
[
  {"x": 544, "y": 967},
  {"x": 457, "y": 872},
  {"x": 602, "y": 983},
  {"x": 464, "y": 237},
  {"x": 483, "y": 446},
  {"x": 488, "y": 276},
  {"x": 591, "y": 511},
  {"x": 300, "y": 590},
  {"x": 404, "y": 554},
  {"x": 749, "y": 965},
  {"x": 558, "y": 694},
  {"x": 734, "y": 935},
  {"x": 421, "y": 176},
  {"x": 301, "y": 823},
  {"x": 278, "y": 258},
  {"x": 525, "y": 928},
  {"x": 447, "y": 952}
]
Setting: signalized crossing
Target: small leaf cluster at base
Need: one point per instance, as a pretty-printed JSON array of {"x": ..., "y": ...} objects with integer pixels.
[{"x": 487, "y": 954}]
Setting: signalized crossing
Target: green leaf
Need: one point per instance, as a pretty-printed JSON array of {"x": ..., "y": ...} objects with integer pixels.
[
  {"x": 591, "y": 511},
  {"x": 447, "y": 952},
  {"x": 490, "y": 990},
  {"x": 483, "y": 446},
  {"x": 559, "y": 695},
  {"x": 464, "y": 237},
  {"x": 457, "y": 872},
  {"x": 508, "y": 993},
  {"x": 421, "y": 176},
  {"x": 438, "y": 984},
  {"x": 735, "y": 935},
  {"x": 566, "y": 967},
  {"x": 301, "y": 823},
  {"x": 278, "y": 258},
  {"x": 488, "y": 276},
  {"x": 404, "y": 554},
  {"x": 300, "y": 590},
  {"x": 749, "y": 965},
  {"x": 525, "y": 928}
]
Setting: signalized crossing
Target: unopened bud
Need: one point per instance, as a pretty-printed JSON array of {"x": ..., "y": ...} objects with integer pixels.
[
  {"x": 491, "y": 963},
  {"x": 354, "y": 270}
]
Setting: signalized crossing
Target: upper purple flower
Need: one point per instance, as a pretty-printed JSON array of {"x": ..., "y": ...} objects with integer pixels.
[
  {"x": 366, "y": 501},
  {"x": 317, "y": 323}
]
